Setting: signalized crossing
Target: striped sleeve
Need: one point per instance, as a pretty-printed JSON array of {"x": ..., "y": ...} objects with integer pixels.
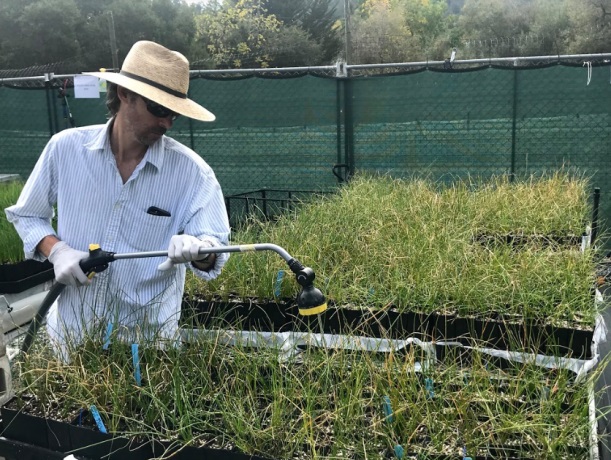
[{"x": 33, "y": 212}]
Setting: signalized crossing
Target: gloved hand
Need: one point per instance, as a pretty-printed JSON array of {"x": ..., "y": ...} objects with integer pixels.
[
  {"x": 65, "y": 262},
  {"x": 184, "y": 248}
]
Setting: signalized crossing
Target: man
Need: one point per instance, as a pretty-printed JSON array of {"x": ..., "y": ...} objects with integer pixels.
[{"x": 129, "y": 188}]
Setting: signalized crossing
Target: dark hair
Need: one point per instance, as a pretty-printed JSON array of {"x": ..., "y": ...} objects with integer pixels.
[
  {"x": 113, "y": 102},
  {"x": 112, "y": 99}
]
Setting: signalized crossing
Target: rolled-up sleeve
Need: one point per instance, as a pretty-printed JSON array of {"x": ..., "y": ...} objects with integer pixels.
[{"x": 33, "y": 213}]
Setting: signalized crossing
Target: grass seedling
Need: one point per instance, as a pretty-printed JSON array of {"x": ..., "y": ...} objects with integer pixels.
[
  {"x": 377, "y": 243},
  {"x": 11, "y": 250},
  {"x": 319, "y": 403},
  {"x": 418, "y": 246}
]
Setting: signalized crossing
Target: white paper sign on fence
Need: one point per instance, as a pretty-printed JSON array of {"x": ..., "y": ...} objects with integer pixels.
[{"x": 86, "y": 87}]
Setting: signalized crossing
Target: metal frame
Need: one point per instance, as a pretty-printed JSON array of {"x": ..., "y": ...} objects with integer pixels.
[{"x": 343, "y": 70}]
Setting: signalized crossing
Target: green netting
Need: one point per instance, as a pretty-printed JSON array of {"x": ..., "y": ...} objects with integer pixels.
[
  {"x": 287, "y": 134},
  {"x": 24, "y": 129},
  {"x": 434, "y": 123},
  {"x": 270, "y": 132}
]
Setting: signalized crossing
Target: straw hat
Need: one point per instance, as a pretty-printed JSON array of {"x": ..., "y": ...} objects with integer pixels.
[{"x": 160, "y": 75}]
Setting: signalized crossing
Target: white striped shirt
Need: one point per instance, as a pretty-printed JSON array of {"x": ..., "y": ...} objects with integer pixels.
[{"x": 78, "y": 172}]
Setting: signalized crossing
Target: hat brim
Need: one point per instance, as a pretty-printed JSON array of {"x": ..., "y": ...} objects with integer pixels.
[{"x": 182, "y": 106}]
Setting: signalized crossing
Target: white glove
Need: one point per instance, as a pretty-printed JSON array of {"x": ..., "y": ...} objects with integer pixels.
[
  {"x": 66, "y": 266},
  {"x": 184, "y": 248}
]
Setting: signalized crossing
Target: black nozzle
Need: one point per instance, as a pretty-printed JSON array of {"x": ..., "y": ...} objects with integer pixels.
[
  {"x": 97, "y": 261},
  {"x": 311, "y": 301}
]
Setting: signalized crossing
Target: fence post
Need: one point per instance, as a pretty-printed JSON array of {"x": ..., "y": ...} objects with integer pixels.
[
  {"x": 343, "y": 107},
  {"x": 191, "y": 137},
  {"x": 48, "y": 78},
  {"x": 339, "y": 89},
  {"x": 54, "y": 106},
  {"x": 514, "y": 111},
  {"x": 348, "y": 128}
]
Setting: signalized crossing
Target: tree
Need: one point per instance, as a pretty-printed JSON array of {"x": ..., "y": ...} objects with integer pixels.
[
  {"x": 380, "y": 34},
  {"x": 177, "y": 30},
  {"x": 318, "y": 18},
  {"x": 455, "y": 6},
  {"x": 237, "y": 35},
  {"x": 548, "y": 29},
  {"x": 8, "y": 30},
  {"x": 260, "y": 33},
  {"x": 590, "y": 26},
  {"x": 425, "y": 20},
  {"x": 291, "y": 46},
  {"x": 40, "y": 32},
  {"x": 37, "y": 32},
  {"x": 289, "y": 12},
  {"x": 320, "y": 21},
  {"x": 399, "y": 30},
  {"x": 494, "y": 27}
]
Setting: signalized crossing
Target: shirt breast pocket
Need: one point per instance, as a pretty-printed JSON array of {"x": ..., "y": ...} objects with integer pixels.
[{"x": 149, "y": 233}]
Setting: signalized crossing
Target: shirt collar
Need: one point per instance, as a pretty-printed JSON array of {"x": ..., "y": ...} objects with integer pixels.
[
  {"x": 154, "y": 154},
  {"x": 101, "y": 141}
]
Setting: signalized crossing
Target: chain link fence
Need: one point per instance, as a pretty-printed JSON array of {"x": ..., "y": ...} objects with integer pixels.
[{"x": 282, "y": 134}]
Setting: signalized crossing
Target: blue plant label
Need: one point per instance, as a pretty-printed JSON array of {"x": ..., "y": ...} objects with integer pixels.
[
  {"x": 387, "y": 408},
  {"x": 107, "y": 336},
  {"x": 98, "y": 419},
  {"x": 399, "y": 452},
  {"x": 428, "y": 384},
  {"x": 136, "y": 361},
  {"x": 278, "y": 285}
]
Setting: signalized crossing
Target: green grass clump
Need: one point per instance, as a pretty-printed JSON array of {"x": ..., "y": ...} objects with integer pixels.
[
  {"x": 320, "y": 403},
  {"x": 378, "y": 242},
  {"x": 11, "y": 249},
  {"x": 553, "y": 205},
  {"x": 417, "y": 246}
]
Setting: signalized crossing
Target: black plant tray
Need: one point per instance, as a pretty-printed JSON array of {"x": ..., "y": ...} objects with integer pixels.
[
  {"x": 23, "y": 433},
  {"x": 517, "y": 241},
  {"x": 282, "y": 316},
  {"x": 29, "y": 437},
  {"x": 14, "y": 450},
  {"x": 18, "y": 277}
]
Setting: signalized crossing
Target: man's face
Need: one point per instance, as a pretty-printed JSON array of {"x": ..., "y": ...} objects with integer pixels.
[{"x": 146, "y": 127}]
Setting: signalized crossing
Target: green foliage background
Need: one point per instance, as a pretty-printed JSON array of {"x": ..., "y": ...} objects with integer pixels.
[{"x": 281, "y": 33}]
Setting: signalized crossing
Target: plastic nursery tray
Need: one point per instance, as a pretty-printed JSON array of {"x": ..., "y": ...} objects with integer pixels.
[
  {"x": 282, "y": 316},
  {"x": 32, "y": 437},
  {"x": 18, "y": 277},
  {"x": 38, "y": 435}
]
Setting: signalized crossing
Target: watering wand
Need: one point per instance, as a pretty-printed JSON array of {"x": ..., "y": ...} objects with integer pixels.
[{"x": 310, "y": 300}]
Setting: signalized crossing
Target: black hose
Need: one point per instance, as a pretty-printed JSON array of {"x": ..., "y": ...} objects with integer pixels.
[{"x": 51, "y": 296}]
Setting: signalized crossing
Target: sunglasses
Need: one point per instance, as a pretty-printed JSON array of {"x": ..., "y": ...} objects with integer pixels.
[{"x": 158, "y": 110}]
